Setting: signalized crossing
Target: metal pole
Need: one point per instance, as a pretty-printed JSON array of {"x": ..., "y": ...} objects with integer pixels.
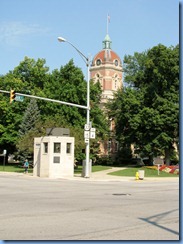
[
  {"x": 87, "y": 166},
  {"x": 4, "y": 161},
  {"x": 87, "y": 61},
  {"x": 48, "y": 99}
]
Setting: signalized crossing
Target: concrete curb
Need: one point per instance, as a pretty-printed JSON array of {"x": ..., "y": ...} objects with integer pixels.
[{"x": 97, "y": 176}]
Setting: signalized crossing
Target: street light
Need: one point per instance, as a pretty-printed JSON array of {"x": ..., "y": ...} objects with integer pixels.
[{"x": 87, "y": 141}]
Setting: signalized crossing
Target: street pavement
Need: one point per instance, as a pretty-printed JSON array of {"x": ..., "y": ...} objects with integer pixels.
[{"x": 102, "y": 207}]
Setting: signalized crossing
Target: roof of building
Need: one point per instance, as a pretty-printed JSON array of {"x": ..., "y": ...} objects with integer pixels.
[{"x": 107, "y": 55}]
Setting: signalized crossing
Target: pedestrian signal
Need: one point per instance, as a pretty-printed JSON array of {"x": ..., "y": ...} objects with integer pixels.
[{"x": 12, "y": 96}]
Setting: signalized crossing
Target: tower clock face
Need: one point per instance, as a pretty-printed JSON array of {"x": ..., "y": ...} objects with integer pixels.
[
  {"x": 98, "y": 61},
  {"x": 116, "y": 62}
]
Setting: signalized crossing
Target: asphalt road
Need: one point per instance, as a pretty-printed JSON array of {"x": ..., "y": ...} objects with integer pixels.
[{"x": 60, "y": 209}]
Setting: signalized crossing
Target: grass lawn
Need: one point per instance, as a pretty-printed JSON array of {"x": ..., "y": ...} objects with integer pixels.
[
  {"x": 17, "y": 169},
  {"x": 14, "y": 168},
  {"x": 95, "y": 168},
  {"x": 149, "y": 172}
]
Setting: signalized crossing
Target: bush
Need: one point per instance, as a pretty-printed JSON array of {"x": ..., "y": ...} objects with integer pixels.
[{"x": 105, "y": 161}]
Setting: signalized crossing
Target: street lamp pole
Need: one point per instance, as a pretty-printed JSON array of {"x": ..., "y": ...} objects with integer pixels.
[
  {"x": 87, "y": 166},
  {"x": 87, "y": 142}
]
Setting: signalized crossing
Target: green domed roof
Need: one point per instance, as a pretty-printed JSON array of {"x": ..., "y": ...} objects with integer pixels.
[
  {"x": 107, "y": 38},
  {"x": 107, "y": 42}
]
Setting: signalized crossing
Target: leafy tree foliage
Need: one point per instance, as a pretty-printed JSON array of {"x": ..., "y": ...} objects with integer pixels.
[
  {"x": 11, "y": 114},
  {"x": 147, "y": 111},
  {"x": 33, "y": 73},
  {"x": 66, "y": 84}
]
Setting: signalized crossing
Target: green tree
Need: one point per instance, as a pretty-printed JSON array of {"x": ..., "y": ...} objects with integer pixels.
[
  {"x": 11, "y": 114},
  {"x": 28, "y": 129},
  {"x": 30, "y": 119},
  {"x": 66, "y": 84},
  {"x": 149, "y": 107},
  {"x": 33, "y": 73}
]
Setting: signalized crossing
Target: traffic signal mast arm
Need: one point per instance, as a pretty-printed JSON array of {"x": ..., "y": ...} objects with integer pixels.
[
  {"x": 52, "y": 100},
  {"x": 44, "y": 98}
]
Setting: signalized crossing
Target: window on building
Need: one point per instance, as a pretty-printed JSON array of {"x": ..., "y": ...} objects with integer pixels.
[
  {"x": 116, "y": 62},
  {"x": 57, "y": 147},
  {"x": 45, "y": 147},
  {"x": 116, "y": 146},
  {"x": 68, "y": 148},
  {"x": 98, "y": 61}
]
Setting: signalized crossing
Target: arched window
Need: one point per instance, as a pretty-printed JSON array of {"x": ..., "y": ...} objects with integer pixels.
[
  {"x": 115, "y": 81},
  {"x": 99, "y": 79},
  {"x": 116, "y": 62}
]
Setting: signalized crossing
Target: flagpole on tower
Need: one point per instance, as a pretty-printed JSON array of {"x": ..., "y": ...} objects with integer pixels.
[{"x": 108, "y": 21}]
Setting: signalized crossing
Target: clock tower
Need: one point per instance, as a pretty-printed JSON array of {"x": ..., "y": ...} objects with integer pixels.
[{"x": 106, "y": 68}]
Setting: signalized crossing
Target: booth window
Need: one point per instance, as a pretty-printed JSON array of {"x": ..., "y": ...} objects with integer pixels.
[
  {"x": 68, "y": 149},
  {"x": 57, "y": 147},
  {"x": 45, "y": 147}
]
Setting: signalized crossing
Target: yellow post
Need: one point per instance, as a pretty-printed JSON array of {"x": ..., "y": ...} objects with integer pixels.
[{"x": 137, "y": 175}]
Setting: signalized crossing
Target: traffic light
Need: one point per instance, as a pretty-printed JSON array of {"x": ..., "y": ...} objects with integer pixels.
[{"x": 12, "y": 96}]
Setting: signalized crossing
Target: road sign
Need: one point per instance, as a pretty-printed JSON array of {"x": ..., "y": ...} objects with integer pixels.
[
  {"x": 19, "y": 98},
  {"x": 86, "y": 134},
  {"x": 87, "y": 126},
  {"x": 93, "y": 129},
  {"x": 92, "y": 134},
  {"x": 86, "y": 140}
]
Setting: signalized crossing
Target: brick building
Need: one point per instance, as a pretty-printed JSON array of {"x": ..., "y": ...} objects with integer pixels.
[{"x": 106, "y": 68}]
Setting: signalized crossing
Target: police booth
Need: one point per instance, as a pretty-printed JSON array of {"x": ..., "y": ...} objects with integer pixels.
[{"x": 54, "y": 154}]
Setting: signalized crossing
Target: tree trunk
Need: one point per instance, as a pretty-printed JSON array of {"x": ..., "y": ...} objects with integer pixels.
[
  {"x": 151, "y": 156},
  {"x": 167, "y": 156}
]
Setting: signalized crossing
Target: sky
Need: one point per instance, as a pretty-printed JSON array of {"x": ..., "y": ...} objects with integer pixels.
[{"x": 31, "y": 27}]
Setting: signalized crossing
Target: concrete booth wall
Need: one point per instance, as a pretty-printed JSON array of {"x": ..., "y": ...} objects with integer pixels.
[{"x": 53, "y": 156}]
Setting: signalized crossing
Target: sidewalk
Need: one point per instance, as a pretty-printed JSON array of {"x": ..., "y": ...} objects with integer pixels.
[
  {"x": 99, "y": 176},
  {"x": 104, "y": 176}
]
